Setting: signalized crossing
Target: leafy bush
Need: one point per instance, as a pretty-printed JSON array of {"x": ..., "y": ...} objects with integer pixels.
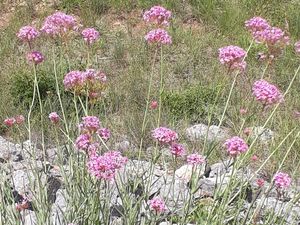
[{"x": 194, "y": 103}]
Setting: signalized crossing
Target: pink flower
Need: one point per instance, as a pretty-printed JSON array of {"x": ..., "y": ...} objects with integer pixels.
[
  {"x": 260, "y": 182},
  {"x": 54, "y": 117},
  {"x": 297, "y": 47},
  {"x": 35, "y": 57},
  {"x": 90, "y": 124},
  {"x": 164, "y": 135},
  {"x": 90, "y": 35},
  {"x": 28, "y": 34},
  {"x": 74, "y": 80},
  {"x": 233, "y": 57},
  {"x": 257, "y": 24},
  {"x": 19, "y": 119},
  {"x": 104, "y": 133},
  {"x": 105, "y": 166},
  {"x": 235, "y": 146},
  {"x": 254, "y": 158},
  {"x": 9, "y": 122},
  {"x": 282, "y": 180},
  {"x": 243, "y": 111},
  {"x": 177, "y": 149},
  {"x": 247, "y": 131},
  {"x": 59, "y": 23},
  {"x": 92, "y": 149},
  {"x": 93, "y": 76},
  {"x": 83, "y": 142},
  {"x": 153, "y": 104},
  {"x": 158, "y": 36},
  {"x": 195, "y": 159},
  {"x": 266, "y": 93},
  {"x": 272, "y": 36},
  {"x": 157, "y": 204},
  {"x": 157, "y": 15}
]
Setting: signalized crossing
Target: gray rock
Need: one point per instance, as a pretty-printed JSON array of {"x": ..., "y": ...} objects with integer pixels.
[
  {"x": 30, "y": 219},
  {"x": 262, "y": 134},
  {"x": 59, "y": 207},
  {"x": 212, "y": 133},
  {"x": 9, "y": 151}
]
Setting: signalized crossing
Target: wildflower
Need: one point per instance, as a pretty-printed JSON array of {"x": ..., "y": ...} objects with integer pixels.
[
  {"x": 157, "y": 204},
  {"x": 247, "y": 131},
  {"x": 93, "y": 148},
  {"x": 256, "y": 24},
  {"x": 243, "y": 111},
  {"x": 54, "y": 117},
  {"x": 282, "y": 180},
  {"x": 157, "y": 15},
  {"x": 9, "y": 122},
  {"x": 260, "y": 182},
  {"x": 266, "y": 93},
  {"x": 74, "y": 80},
  {"x": 158, "y": 36},
  {"x": 297, "y": 47},
  {"x": 177, "y": 149},
  {"x": 59, "y": 23},
  {"x": 153, "y": 104},
  {"x": 83, "y": 142},
  {"x": 104, "y": 133},
  {"x": 235, "y": 146},
  {"x": 90, "y": 35},
  {"x": 90, "y": 124},
  {"x": 254, "y": 158},
  {"x": 195, "y": 159},
  {"x": 19, "y": 119},
  {"x": 233, "y": 57},
  {"x": 164, "y": 135},
  {"x": 28, "y": 34},
  {"x": 272, "y": 36},
  {"x": 35, "y": 57},
  {"x": 105, "y": 166},
  {"x": 92, "y": 76}
]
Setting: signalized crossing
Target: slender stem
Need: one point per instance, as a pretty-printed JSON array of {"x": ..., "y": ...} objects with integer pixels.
[{"x": 161, "y": 87}]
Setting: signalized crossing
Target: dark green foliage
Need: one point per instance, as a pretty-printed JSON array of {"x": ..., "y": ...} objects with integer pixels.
[{"x": 195, "y": 103}]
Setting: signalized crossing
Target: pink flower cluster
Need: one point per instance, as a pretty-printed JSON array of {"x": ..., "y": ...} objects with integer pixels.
[
  {"x": 59, "y": 23},
  {"x": 266, "y": 93},
  {"x": 104, "y": 133},
  {"x": 19, "y": 119},
  {"x": 257, "y": 24},
  {"x": 282, "y": 180},
  {"x": 177, "y": 149},
  {"x": 233, "y": 57},
  {"x": 54, "y": 117},
  {"x": 297, "y": 47},
  {"x": 195, "y": 159},
  {"x": 235, "y": 146},
  {"x": 83, "y": 141},
  {"x": 91, "y": 80},
  {"x": 90, "y": 124},
  {"x": 90, "y": 35},
  {"x": 35, "y": 57},
  {"x": 158, "y": 36},
  {"x": 157, "y": 204},
  {"x": 164, "y": 135},
  {"x": 157, "y": 15},
  {"x": 28, "y": 34},
  {"x": 105, "y": 166}
]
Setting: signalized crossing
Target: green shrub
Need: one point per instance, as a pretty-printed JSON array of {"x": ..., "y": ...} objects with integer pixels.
[
  {"x": 22, "y": 85},
  {"x": 196, "y": 103}
]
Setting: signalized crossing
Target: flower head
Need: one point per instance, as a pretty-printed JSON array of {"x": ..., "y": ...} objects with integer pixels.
[
  {"x": 157, "y": 204},
  {"x": 260, "y": 182},
  {"x": 164, "y": 135},
  {"x": 233, "y": 57},
  {"x": 9, "y": 121},
  {"x": 177, "y": 149},
  {"x": 54, "y": 117},
  {"x": 158, "y": 36},
  {"x": 297, "y": 47},
  {"x": 157, "y": 15},
  {"x": 195, "y": 159},
  {"x": 59, "y": 23},
  {"x": 83, "y": 142},
  {"x": 104, "y": 133},
  {"x": 19, "y": 119},
  {"x": 35, "y": 57},
  {"x": 235, "y": 146},
  {"x": 74, "y": 80},
  {"x": 90, "y": 124},
  {"x": 28, "y": 34},
  {"x": 257, "y": 24},
  {"x": 272, "y": 36},
  {"x": 105, "y": 166},
  {"x": 266, "y": 93},
  {"x": 90, "y": 35},
  {"x": 153, "y": 104},
  {"x": 282, "y": 180}
]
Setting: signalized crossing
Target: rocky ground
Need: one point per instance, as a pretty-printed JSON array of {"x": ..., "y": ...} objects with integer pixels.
[{"x": 20, "y": 170}]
